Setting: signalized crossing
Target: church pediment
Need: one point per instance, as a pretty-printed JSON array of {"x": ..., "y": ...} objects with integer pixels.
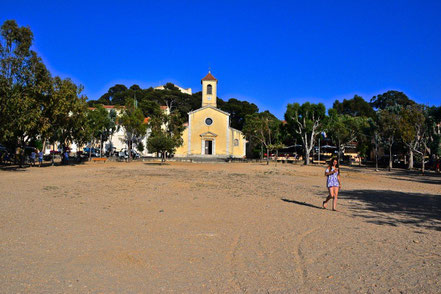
[
  {"x": 209, "y": 107},
  {"x": 208, "y": 134}
]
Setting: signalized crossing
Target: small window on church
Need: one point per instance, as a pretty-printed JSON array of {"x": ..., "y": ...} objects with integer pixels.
[
  {"x": 208, "y": 121},
  {"x": 236, "y": 142},
  {"x": 209, "y": 89}
]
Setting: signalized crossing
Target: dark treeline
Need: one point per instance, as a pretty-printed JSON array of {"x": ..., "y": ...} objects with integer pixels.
[
  {"x": 38, "y": 109},
  {"x": 389, "y": 122},
  {"x": 149, "y": 101}
]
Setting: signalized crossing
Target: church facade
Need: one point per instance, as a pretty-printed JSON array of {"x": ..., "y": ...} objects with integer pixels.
[{"x": 208, "y": 133}]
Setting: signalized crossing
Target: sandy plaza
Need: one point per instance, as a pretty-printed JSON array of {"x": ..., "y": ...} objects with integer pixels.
[{"x": 217, "y": 228}]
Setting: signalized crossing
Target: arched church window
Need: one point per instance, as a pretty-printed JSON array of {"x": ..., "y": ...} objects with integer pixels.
[
  {"x": 236, "y": 142},
  {"x": 209, "y": 89}
]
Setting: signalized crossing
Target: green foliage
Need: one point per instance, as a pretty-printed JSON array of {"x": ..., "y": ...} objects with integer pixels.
[
  {"x": 238, "y": 110},
  {"x": 388, "y": 126},
  {"x": 306, "y": 121},
  {"x": 149, "y": 108},
  {"x": 366, "y": 137},
  {"x": 140, "y": 146},
  {"x": 390, "y": 99},
  {"x": 343, "y": 129},
  {"x": 132, "y": 120},
  {"x": 149, "y": 100},
  {"x": 356, "y": 106},
  {"x": 433, "y": 120},
  {"x": 166, "y": 133},
  {"x": 115, "y": 96},
  {"x": 101, "y": 123},
  {"x": 25, "y": 85},
  {"x": 263, "y": 128},
  {"x": 66, "y": 112},
  {"x": 412, "y": 120},
  {"x": 161, "y": 143},
  {"x": 33, "y": 105}
]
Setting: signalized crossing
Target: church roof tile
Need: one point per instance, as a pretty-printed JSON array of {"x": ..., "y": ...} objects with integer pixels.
[{"x": 209, "y": 77}]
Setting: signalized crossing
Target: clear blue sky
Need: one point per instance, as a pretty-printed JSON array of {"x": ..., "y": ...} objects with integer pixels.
[{"x": 267, "y": 52}]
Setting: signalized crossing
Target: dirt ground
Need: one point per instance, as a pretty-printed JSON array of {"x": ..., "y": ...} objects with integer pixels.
[{"x": 217, "y": 228}]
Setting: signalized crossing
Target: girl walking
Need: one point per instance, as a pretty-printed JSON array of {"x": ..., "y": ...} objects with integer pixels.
[{"x": 333, "y": 183}]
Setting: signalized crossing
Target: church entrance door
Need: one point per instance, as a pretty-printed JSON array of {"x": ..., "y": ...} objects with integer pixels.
[{"x": 208, "y": 147}]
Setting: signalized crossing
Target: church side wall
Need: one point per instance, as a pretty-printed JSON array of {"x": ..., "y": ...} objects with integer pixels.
[{"x": 239, "y": 146}]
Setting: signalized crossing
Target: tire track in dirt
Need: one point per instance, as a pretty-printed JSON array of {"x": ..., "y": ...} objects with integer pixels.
[
  {"x": 232, "y": 260},
  {"x": 299, "y": 255}
]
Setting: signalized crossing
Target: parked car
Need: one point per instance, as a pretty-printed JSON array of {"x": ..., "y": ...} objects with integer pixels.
[
  {"x": 124, "y": 154},
  {"x": 95, "y": 152},
  {"x": 5, "y": 156},
  {"x": 135, "y": 154},
  {"x": 110, "y": 152}
]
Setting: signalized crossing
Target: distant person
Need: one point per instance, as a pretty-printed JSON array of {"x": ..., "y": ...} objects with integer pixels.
[
  {"x": 40, "y": 158},
  {"x": 333, "y": 183},
  {"x": 20, "y": 156},
  {"x": 78, "y": 156},
  {"x": 7, "y": 157},
  {"x": 66, "y": 157},
  {"x": 17, "y": 155},
  {"x": 32, "y": 157}
]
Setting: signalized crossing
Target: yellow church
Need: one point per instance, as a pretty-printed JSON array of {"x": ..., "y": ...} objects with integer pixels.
[{"x": 208, "y": 133}]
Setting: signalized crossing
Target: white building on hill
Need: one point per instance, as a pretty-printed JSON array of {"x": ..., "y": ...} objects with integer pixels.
[{"x": 186, "y": 91}]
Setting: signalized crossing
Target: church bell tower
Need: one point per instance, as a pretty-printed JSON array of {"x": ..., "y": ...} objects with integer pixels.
[{"x": 209, "y": 90}]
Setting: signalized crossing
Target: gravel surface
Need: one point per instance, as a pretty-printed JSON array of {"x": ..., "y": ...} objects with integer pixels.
[{"x": 217, "y": 228}]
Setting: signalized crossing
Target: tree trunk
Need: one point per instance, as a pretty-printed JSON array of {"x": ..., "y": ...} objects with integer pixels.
[
  {"x": 90, "y": 151},
  {"x": 307, "y": 157},
  {"x": 376, "y": 156},
  {"x": 101, "y": 146},
  {"x": 410, "y": 159},
  {"x": 129, "y": 148},
  {"x": 423, "y": 163},
  {"x": 53, "y": 154},
  {"x": 390, "y": 157},
  {"x": 267, "y": 156},
  {"x": 338, "y": 154},
  {"x": 277, "y": 155}
]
